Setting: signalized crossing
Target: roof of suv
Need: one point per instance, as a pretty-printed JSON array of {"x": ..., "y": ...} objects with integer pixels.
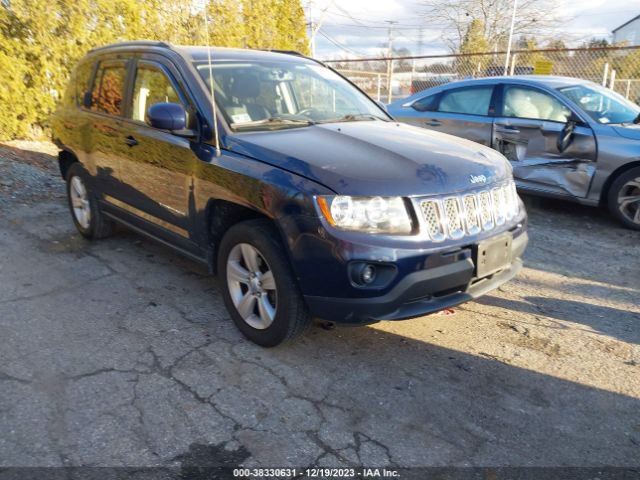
[{"x": 201, "y": 53}]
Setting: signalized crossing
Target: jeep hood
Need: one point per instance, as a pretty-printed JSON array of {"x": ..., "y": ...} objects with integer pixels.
[{"x": 376, "y": 158}]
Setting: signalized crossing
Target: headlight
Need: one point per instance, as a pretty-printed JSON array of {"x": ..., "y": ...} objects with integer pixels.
[{"x": 367, "y": 214}]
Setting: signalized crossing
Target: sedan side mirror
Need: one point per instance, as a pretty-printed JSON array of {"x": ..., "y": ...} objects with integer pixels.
[
  {"x": 566, "y": 135},
  {"x": 167, "y": 116}
]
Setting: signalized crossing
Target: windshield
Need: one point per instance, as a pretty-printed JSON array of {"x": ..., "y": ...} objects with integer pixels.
[
  {"x": 275, "y": 95},
  {"x": 602, "y": 104}
]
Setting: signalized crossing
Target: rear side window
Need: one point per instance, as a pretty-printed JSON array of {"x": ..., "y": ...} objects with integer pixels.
[
  {"x": 152, "y": 86},
  {"x": 108, "y": 90},
  {"x": 471, "y": 101}
]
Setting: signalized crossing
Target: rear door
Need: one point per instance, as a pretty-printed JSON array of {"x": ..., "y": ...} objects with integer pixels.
[
  {"x": 526, "y": 131},
  {"x": 463, "y": 111},
  {"x": 105, "y": 106}
]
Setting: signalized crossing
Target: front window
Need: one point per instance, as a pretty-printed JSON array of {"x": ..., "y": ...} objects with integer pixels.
[
  {"x": 151, "y": 87},
  {"x": 602, "y": 104},
  {"x": 524, "y": 102},
  {"x": 273, "y": 95}
]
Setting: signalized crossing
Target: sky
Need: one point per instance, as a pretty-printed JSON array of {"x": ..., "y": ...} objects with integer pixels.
[{"x": 358, "y": 27}]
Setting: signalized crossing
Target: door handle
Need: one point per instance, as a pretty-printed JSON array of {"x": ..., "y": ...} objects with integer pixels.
[
  {"x": 433, "y": 123},
  {"x": 508, "y": 129},
  {"x": 132, "y": 142}
]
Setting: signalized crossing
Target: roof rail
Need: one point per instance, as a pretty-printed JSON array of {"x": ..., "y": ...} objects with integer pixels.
[
  {"x": 286, "y": 52},
  {"x": 133, "y": 43}
]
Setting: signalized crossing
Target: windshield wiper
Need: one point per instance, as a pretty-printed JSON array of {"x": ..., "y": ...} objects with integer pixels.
[
  {"x": 354, "y": 117},
  {"x": 273, "y": 122}
]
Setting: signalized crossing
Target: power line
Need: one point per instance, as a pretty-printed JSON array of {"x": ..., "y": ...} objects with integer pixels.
[{"x": 339, "y": 45}]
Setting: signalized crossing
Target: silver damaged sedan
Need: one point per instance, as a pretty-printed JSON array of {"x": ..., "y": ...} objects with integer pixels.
[{"x": 565, "y": 137}]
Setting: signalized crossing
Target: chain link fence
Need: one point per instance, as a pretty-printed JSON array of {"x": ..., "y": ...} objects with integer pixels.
[{"x": 388, "y": 79}]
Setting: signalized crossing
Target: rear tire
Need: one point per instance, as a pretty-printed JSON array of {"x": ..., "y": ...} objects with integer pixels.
[
  {"x": 85, "y": 211},
  {"x": 624, "y": 198},
  {"x": 258, "y": 285}
]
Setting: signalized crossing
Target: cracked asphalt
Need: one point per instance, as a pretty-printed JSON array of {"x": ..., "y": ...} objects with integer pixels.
[{"x": 121, "y": 353}]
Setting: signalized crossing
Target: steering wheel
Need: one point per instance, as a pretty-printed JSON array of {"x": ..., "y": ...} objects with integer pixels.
[{"x": 306, "y": 111}]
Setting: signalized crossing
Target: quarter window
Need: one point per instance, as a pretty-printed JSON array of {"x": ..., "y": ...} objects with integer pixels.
[
  {"x": 108, "y": 90},
  {"x": 522, "y": 102},
  {"x": 471, "y": 101},
  {"x": 424, "y": 104},
  {"x": 151, "y": 86}
]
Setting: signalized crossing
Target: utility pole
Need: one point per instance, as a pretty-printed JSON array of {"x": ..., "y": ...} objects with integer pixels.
[
  {"x": 390, "y": 61},
  {"x": 513, "y": 21},
  {"x": 315, "y": 27},
  {"x": 312, "y": 35}
]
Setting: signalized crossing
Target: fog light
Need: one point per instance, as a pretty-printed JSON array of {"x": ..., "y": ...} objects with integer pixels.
[{"x": 368, "y": 274}]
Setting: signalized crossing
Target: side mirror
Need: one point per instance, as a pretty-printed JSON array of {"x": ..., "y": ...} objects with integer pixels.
[
  {"x": 167, "y": 116},
  {"x": 566, "y": 135},
  {"x": 86, "y": 99},
  {"x": 382, "y": 105},
  {"x": 573, "y": 118}
]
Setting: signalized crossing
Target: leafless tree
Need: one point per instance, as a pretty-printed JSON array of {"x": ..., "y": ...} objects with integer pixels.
[{"x": 538, "y": 18}]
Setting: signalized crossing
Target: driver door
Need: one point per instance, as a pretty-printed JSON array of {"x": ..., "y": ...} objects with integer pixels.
[{"x": 527, "y": 129}]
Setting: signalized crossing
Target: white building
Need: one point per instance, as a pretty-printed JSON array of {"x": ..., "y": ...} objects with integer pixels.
[{"x": 628, "y": 32}]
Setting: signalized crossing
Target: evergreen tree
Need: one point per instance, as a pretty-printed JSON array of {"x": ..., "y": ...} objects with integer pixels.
[
  {"x": 227, "y": 26},
  {"x": 474, "y": 41},
  {"x": 41, "y": 41},
  {"x": 291, "y": 26}
]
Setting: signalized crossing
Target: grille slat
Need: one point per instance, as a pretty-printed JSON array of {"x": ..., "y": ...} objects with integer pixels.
[
  {"x": 433, "y": 219},
  {"x": 453, "y": 218},
  {"x": 457, "y": 216}
]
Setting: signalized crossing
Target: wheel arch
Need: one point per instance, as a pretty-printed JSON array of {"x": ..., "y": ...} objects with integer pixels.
[
  {"x": 221, "y": 215},
  {"x": 604, "y": 194},
  {"x": 65, "y": 159}
]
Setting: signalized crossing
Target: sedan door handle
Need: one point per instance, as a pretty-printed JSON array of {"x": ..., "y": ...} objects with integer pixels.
[
  {"x": 507, "y": 129},
  {"x": 433, "y": 123},
  {"x": 132, "y": 142}
]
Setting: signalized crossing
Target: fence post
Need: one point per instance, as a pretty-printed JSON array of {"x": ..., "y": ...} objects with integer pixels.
[
  {"x": 389, "y": 79},
  {"x": 379, "y": 85},
  {"x": 513, "y": 63},
  {"x": 626, "y": 95},
  {"x": 612, "y": 81},
  {"x": 605, "y": 74},
  {"x": 413, "y": 71}
]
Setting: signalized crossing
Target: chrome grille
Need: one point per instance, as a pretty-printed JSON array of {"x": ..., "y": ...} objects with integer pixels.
[
  {"x": 499, "y": 206},
  {"x": 471, "y": 214},
  {"x": 457, "y": 216},
  {"x": 432, "y": 218},
  {"x": 486, "y": 210},
  {"x": 453, "y": 218}
]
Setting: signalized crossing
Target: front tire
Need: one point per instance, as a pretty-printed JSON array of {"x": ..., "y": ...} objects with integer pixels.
[
  {"x": 624, "y": 198},
  {"x": 258, "y": 286},
  {"x": 85, "y": 211}
]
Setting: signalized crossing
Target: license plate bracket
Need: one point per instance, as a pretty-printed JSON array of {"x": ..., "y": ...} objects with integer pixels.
[{"x": 493, "y": 254}]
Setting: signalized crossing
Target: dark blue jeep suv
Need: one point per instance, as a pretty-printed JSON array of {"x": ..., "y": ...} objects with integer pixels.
[{"x": 306, "y": 198}]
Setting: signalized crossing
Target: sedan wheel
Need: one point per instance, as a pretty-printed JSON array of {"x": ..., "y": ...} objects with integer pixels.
[{"x": 629, "y": 200}]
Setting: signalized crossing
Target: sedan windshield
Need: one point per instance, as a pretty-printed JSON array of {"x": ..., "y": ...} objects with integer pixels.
[
  {"x": 602, "y": 104},
  {"x": 276, "y": 95}
]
